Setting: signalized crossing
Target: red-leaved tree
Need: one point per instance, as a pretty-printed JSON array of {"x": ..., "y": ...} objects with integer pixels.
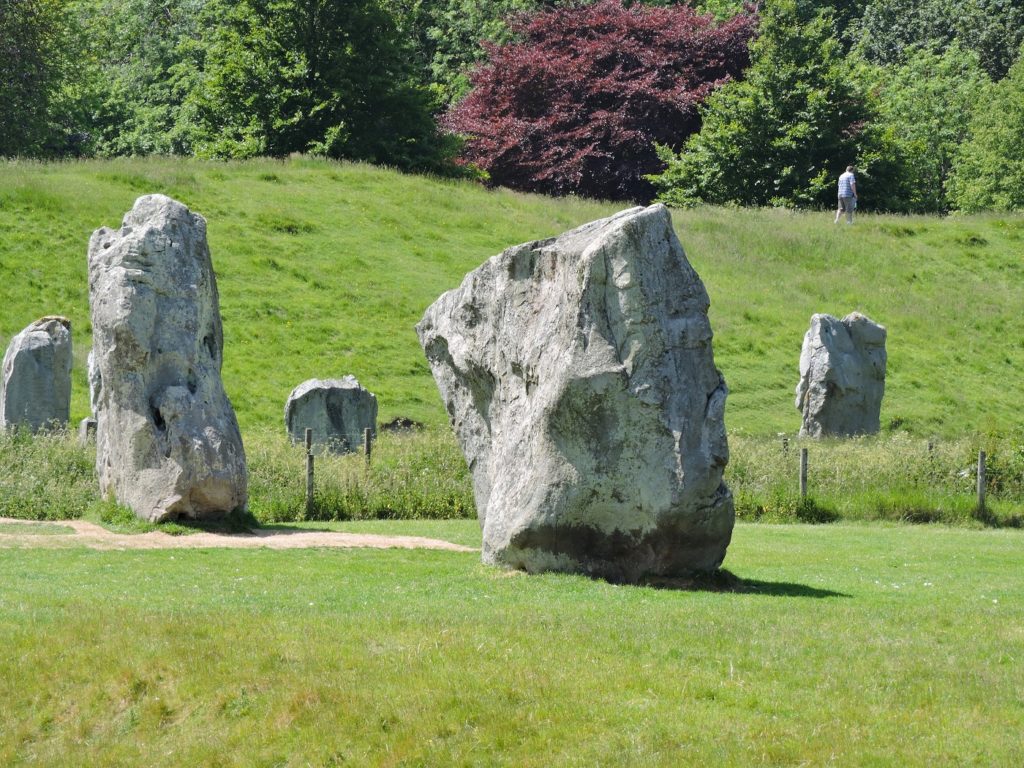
[{"x": 577, "y": 102}]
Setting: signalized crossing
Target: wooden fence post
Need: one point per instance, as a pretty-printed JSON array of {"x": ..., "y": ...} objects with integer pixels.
[
  {"x": 367, "y": 443},
  {"x": 309, "y": 472},
  {"x": 981, "y": 481},
  {"x": 803, "y": 473}
]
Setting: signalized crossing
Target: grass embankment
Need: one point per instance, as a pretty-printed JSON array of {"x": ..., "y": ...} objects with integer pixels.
[
  {"x": 843, "y": 645},
  {"x": 324, "y": 268}
]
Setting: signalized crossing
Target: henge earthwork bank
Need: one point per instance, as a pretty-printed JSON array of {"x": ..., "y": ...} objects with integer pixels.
[{"x": 579, "y": 378}]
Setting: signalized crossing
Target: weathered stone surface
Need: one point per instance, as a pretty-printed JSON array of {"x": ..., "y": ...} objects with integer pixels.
[
  {"x": 35, "y": 379},
  {"x": 94, "y": 382},
  {"x": 842, "y": 376},
  {"x": 579, "y": 377},
  {"x": 86, "y": 431},
  {"x": 337, "y": 410},
  {"x": 167, "y": 441}
]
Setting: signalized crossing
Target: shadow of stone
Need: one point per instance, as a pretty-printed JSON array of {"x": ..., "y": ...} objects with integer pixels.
[
  {"x": 725, "y": 581},
  {"x": 285, "y": 529},
  {"x": 236, "y": 521}
]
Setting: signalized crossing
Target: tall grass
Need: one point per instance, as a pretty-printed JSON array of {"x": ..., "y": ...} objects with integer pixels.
[
  {"x": 896, "y": 477},
  {"x": 411, "y": 476},
  {"x": 422, "y": 475},
  {"x": 45, "y": 477}
]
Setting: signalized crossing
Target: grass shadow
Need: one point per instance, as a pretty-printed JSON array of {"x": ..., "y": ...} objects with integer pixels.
[
  {"x": 726, "y": 581},
  {"x": 990, "y": 519},
  {"x": 291, "y": 528},
  {"x": 234, "y": 522}
]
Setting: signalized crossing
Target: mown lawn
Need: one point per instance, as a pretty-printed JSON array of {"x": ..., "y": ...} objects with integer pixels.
[{"x": 848, "y": 645}]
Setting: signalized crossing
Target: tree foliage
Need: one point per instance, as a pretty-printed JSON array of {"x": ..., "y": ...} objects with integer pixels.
[
  {"x": 329, "y": 77},
  {"x": 782, "y": 134},
  {"x": 567, "y": 96},
  {"x": 144, "y": 60},
  {"x": 34, "y": 59},
  {"x": 449, "y": 33},
  {"x": 989, "y": 170},
  {"x": 993, "y": 29},
  {"x": 576, "y": 104},
  {"x": 924, "y": 109}
]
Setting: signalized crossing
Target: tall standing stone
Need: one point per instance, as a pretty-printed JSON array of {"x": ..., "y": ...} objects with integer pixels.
[
  {"x": 337, "y": 410},
  {"x": 579, "y": 377},
  {"x": 842, "y": 376},
  {"x": 167, "y": 441},
  {"x": 35, "y": 379}
]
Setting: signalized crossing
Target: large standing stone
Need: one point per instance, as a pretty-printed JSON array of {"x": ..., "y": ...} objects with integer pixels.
[
  {"x": 337, "y": 410},
  {"x": 579, "y": 378},
  {"x": 167, "y": 441},
  {"x": 35, "y": 380},
  {"x": 842, "y": 376}
]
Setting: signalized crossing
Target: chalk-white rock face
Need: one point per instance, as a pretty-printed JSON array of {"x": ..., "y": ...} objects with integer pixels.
[
  {"x": 35, "y": 379},
  {"x": 167, "y": 441},
  {"x": 579, "y": 378},
  {"x": 337, "y": 410},
  {"x": 94, "y": 382},
  {"x": 842, "y": 376}
]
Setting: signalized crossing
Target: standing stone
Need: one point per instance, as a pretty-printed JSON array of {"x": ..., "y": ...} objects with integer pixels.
[
  {"x": 35, "y": 380},
  {"x": 579, "y": 378},
  {"x": 842, "y": 376},
  {"x": 167, "y": 441},
  {"x": 337, "y": 410},
  {"x": 86, "y": 431}
]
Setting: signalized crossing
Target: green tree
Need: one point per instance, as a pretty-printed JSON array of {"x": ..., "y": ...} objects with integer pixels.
[
  {"x": 144, "y": 60},
  {"x": 783, "y": 134},
  {"x": 35, "y": 56},
  {"x": 890, "y": 29},
  {"x": 988, "y": 173},
  {"x": 447, "y": 36},
  {"x": 330, "y": 77},
  {"x": 924, "y": 109}
]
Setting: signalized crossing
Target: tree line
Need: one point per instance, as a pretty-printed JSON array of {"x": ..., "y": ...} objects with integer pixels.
[{"x": 722, "y": 102}]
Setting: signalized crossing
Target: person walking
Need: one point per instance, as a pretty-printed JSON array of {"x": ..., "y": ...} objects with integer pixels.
[{"x": 847, "y": 195}]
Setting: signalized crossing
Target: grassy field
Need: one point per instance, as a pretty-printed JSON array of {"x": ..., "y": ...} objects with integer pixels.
[
  {"x": 849, "y": 644},
  {"x": 324, "y": 268},
  {"x": 838, "y": 645}
]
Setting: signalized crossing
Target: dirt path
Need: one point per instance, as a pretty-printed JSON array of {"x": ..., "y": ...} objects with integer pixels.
[{"x": 95, "y": 536}]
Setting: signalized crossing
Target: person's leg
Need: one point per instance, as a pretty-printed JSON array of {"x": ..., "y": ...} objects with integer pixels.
[
  {"x": 850, "y": 205},
  {"x": 839, "y": 211}
]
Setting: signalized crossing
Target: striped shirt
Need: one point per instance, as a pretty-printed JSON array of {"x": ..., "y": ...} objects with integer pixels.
[{"x": 846, "y": 182}]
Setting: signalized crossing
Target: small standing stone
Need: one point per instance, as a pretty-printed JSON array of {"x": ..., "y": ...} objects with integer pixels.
[
  {"x": 842, "y": 376},
  {"x": 35, "y": 380},
  {"x": 337, "y": 410},
  {"x": 86, "y": 430}
]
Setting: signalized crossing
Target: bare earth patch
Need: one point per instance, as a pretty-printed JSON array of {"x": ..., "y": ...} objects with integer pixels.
[{"x": 97, "y": 537}]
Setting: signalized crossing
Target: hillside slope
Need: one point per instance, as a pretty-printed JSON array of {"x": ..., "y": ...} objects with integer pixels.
[{"x": 324, "y": 269}]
